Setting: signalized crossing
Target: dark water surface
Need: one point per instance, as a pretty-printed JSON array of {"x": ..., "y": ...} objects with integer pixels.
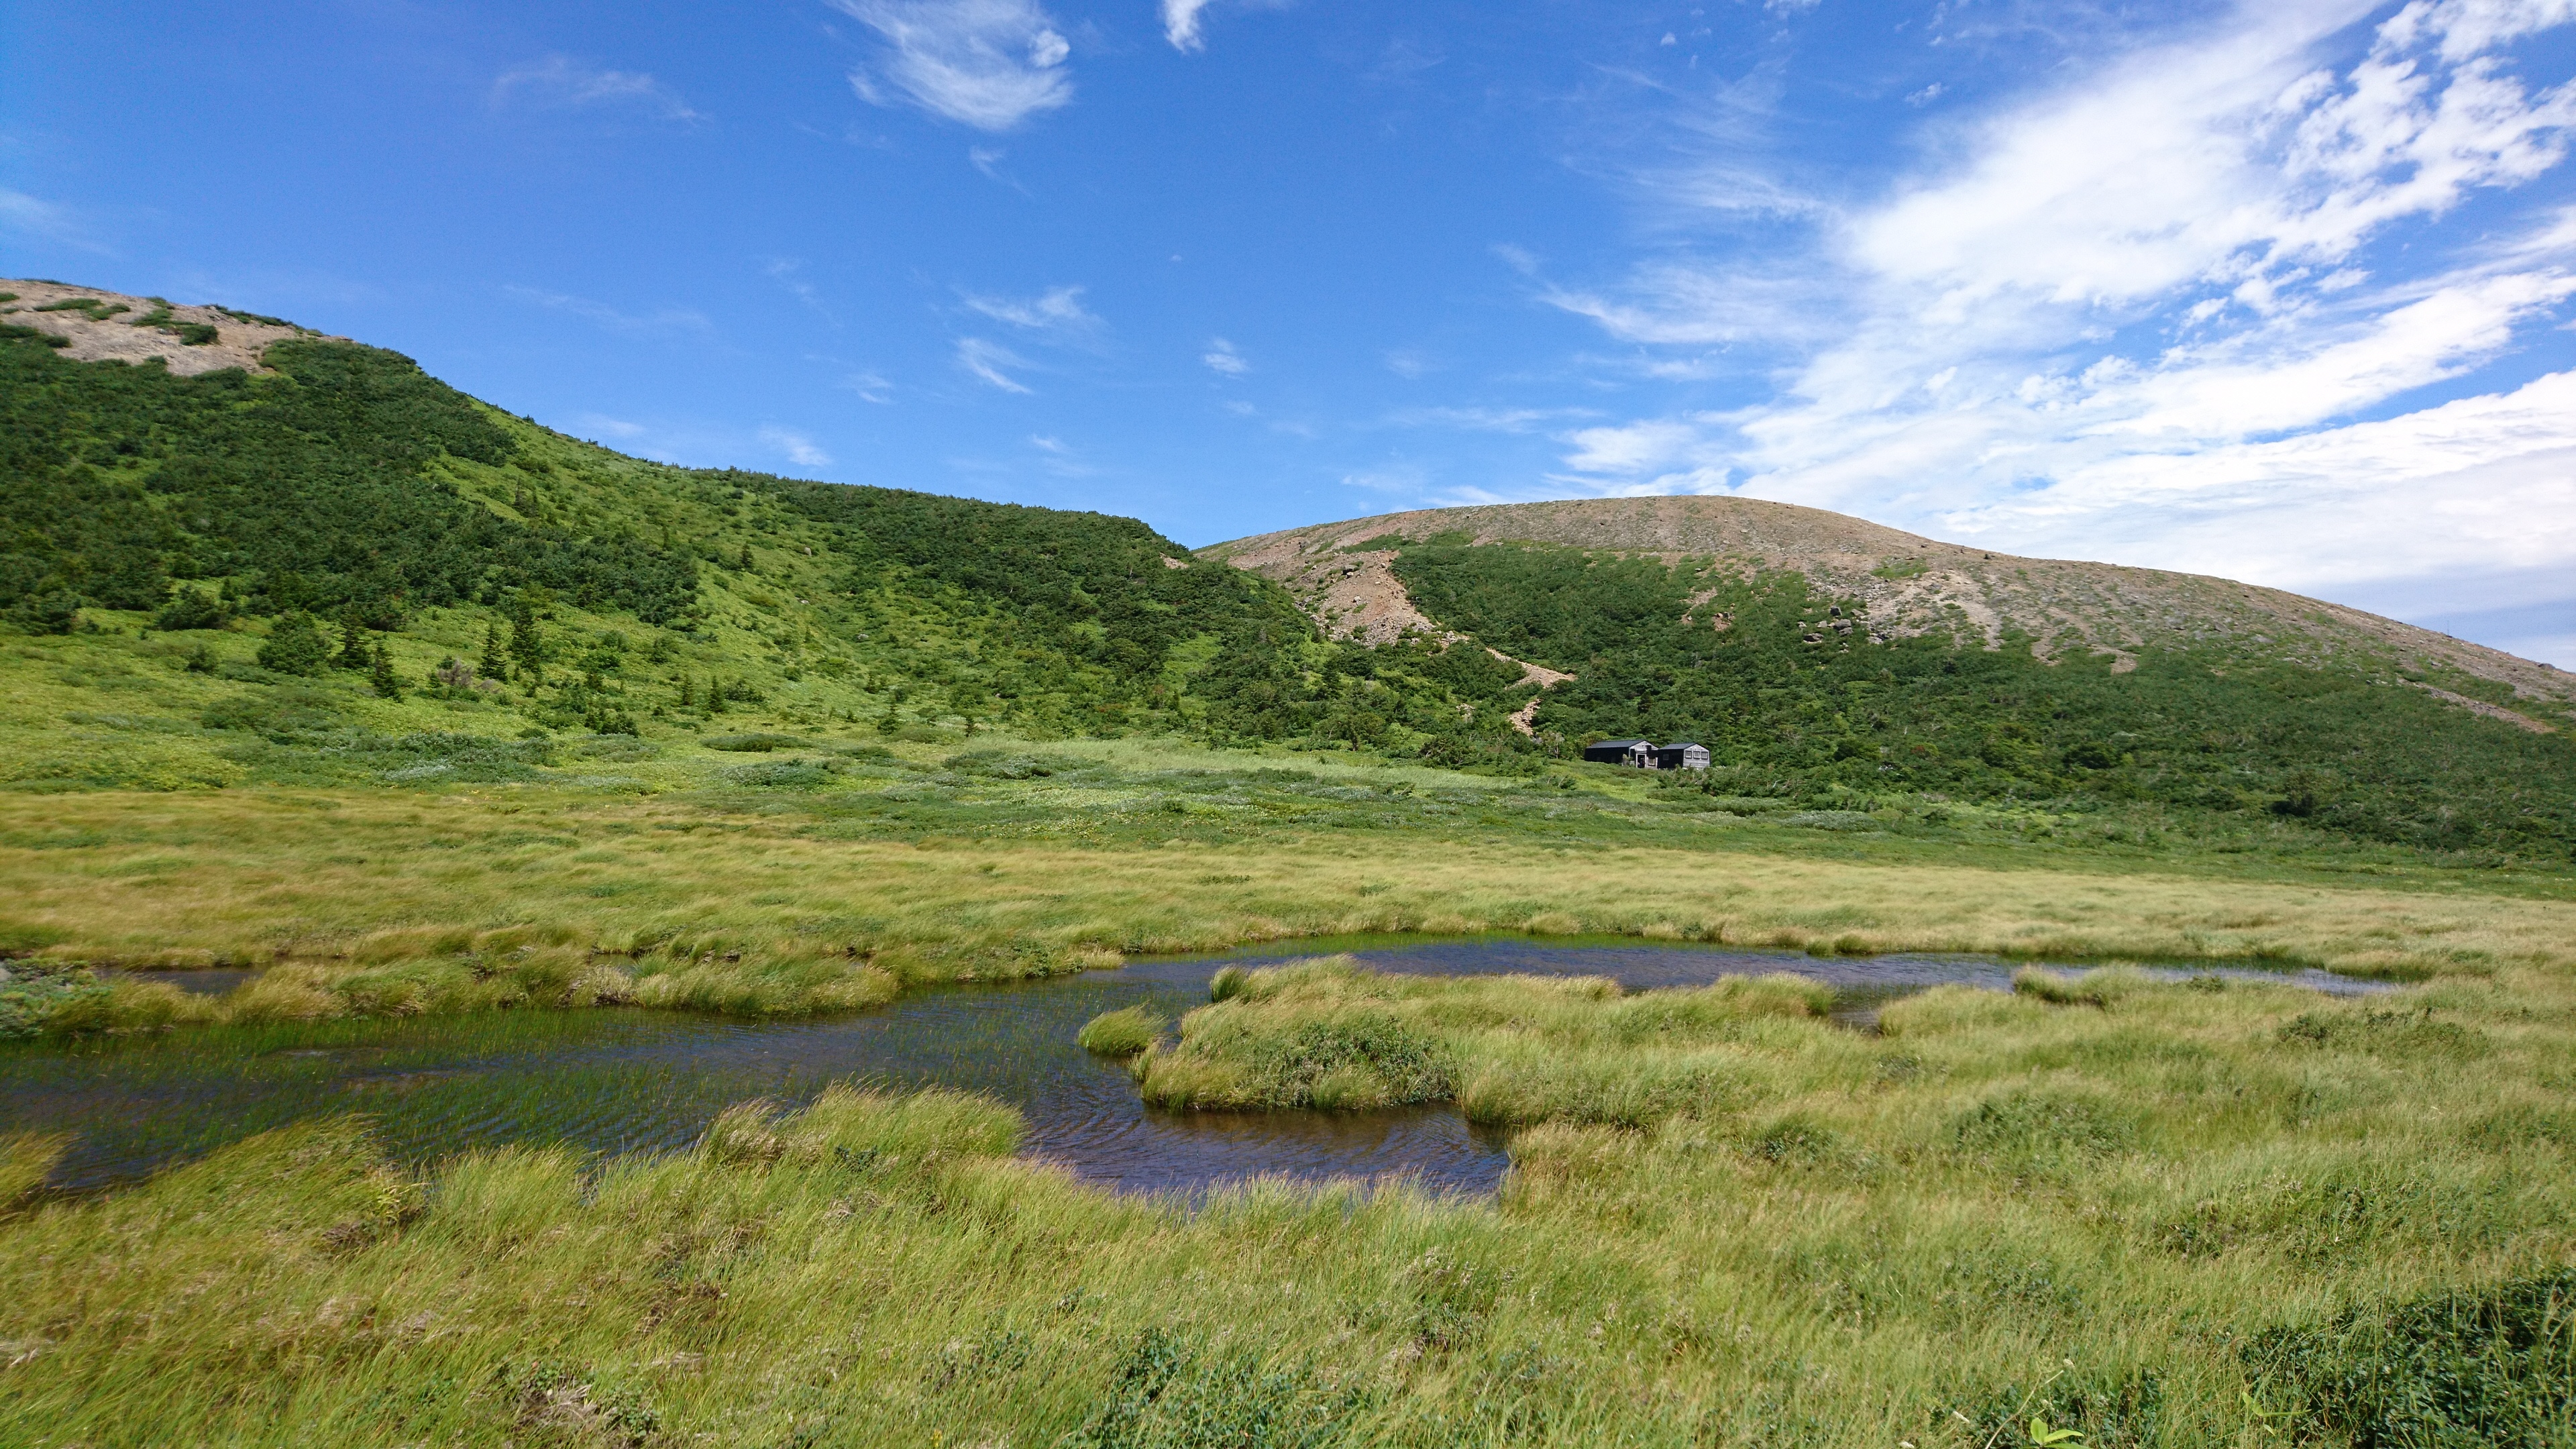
[{"x": 624, "y": 1081}]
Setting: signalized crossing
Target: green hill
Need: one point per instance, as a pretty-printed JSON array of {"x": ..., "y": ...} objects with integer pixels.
[
  {"x": 380, "y": 553},
  {"x": 1824, "y": 658}
]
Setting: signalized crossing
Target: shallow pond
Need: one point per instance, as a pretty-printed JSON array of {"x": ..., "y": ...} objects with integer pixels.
[{"x": 624, "y": 1081}]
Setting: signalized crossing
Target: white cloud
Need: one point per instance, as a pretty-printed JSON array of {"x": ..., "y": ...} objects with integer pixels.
[
  {"x": 986, "y": 361},
  {"x": 1181, "y": 23},
  {"x": 2481, "y": 485},
  {"x": 789, "y": 274},
  {"x": 1487, "y": 420},
  {"x": 1058, "y": 310},
  {"x": 870, "y": 387},
  {"x": 2086, "y": 324},
  {"x": 1221, "y": 357},
  {"x": 798, "y": 448},
  {"x": 664, "y": 322},
  {"x": 604, "y": 426},
  {"x": 990, "y": 64},
  {"x": 32, "y": 216},
  {"x": 561, "y": 83}
]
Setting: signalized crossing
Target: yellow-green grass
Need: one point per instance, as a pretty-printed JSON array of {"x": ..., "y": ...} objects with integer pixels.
[
  {"x": 390, "y": 902},
  {"x": 2186, "y": 1218}
]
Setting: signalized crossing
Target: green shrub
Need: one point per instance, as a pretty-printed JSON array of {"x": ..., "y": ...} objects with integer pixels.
[
  {"x": 751, "y": 744},
  {"x": 56, "y": 612},
  {"x": 192, "y": 608},
  {"x": 295, "y": 646},
  {"x": 994, "y": 764},
  {"x": 778, "y": 774}
]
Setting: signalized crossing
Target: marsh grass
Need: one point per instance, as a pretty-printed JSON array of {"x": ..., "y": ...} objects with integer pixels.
[
  {"x": 1124, "y": 1032},
  {"x": 2180, "y": 1218},
  {"x": 384, "y": 904}
]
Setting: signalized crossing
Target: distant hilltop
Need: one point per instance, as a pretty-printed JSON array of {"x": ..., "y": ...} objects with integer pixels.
[{"x": 1904, "y": 585}]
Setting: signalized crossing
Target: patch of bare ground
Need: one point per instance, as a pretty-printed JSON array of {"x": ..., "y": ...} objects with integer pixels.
[
  {"x": 129, "y": 329},
  {"x": 1906, "y": 585},
  {"x": 1356, "y": 595}
]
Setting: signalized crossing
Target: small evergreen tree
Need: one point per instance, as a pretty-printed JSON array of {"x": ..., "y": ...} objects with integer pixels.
[
  {"x": 527, "y": 645},
  {"x": 380, "y": 673},
  {"x": 745, "y": 565},
  {"x": 295, "y": 646},
  {"x": 354, "y": 653},
  {"x": 493, "y": 664}
]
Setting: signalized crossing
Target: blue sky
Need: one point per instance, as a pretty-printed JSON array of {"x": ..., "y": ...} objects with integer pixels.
[{"x": 2282, "y": 292}]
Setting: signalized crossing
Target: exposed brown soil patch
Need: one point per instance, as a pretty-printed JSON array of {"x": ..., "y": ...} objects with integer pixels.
[
  {"x": 1906, "y": 585},
  {"x": 121, "y": 337}
]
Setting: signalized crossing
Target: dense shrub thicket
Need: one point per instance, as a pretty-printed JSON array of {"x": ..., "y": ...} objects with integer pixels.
[
  {"x": 1792, "y": 689},
  {"x": 303, "y": 491},
  {"x": 1121, "y": 621}
]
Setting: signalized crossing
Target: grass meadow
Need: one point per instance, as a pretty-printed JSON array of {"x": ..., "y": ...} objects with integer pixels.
[
  {"x": 391, "y": 903},
  {"x": 2150, "y": 1213}
]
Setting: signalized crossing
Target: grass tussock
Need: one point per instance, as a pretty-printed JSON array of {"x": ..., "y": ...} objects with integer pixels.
[
  {"x": 25, "y": 1159},
  {"x": 1124, "y": 1032},
  {"x": 1332, "y": 1035}
]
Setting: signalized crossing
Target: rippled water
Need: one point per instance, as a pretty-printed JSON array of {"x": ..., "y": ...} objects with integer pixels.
[{"x": 623, "y": 1081}]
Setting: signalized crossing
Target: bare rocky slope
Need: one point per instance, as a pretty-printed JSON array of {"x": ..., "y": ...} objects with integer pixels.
[
  {"x": 113, "y": 326},
  {"x": 1907, "y": 585}
]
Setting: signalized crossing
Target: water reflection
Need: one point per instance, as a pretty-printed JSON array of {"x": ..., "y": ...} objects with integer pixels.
[{"x": 626, "y": 1081}]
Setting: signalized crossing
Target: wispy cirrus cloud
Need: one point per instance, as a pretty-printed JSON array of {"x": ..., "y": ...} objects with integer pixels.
[
  {"x": 789, "y": 274},
  {"x": 562, "y": 83},
  {"x": 797, "y": 448},
  {"x": 1221, "y": 357},
  {"x": 2091, "y": 303},
  {"x": 1057, "y": 310},
  {"x": 33, "y": 217},
  {"x": 989, "y": 64},
  {"x": 985, "y": 361},
  {"x": 662, "y": 322},
  {"x": 1489, "y": 420}
]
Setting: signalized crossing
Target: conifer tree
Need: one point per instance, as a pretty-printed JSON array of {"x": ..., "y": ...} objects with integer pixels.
[
  {"x": 527, "y": 646},
  {"x": 492, "y": 665},
  {"x": 354, "y": 653},
  {"x": 380, "y": 673}
]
